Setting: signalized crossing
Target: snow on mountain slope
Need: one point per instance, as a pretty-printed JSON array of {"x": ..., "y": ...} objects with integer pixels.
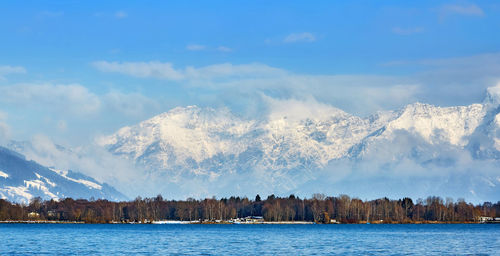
[
  {"x": 190, "y": 136},
  {"x": 451, "y": 124},
  {"x": 311, "y": 142},
  {"x": 297, "y": 140},
  {"x": 163, "y": 144},
  {"x": 22, "y": 180},
  {"x": 484, "y": 143},
  {"x": 422, "y": 129}
]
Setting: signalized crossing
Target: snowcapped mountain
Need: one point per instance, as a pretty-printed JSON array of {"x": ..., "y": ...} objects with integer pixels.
[
  {"x": 420, "y": 127},
  {"x": 22, "y": 180},
  {"x": 292, "y": 144},
  {"x": 200, "y": 138}
]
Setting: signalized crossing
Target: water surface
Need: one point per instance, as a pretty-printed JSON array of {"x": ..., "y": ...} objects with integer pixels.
[{"x": 84, "y": 239}]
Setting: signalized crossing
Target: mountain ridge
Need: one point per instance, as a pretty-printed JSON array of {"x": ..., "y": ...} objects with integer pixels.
[
  {"x": 22, "y": 180},
  {"x": 176, "y": 134},
  {"x": 294, "y": 145}
]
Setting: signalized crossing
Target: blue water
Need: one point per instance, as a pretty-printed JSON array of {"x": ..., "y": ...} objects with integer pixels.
[{"x": 78, "y": 239}]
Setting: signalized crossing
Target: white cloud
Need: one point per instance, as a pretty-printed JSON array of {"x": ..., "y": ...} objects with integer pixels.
[
  {"x": 115, "y": 51},
  {"x": 474, "y": 60},
  {"x": 494, "y": 94},
  {"x": 356, "y": 93},
  {"x": 195, "y": 47},
  {"x": 460, "y": 9},
  {"x": 407, "y": 31},
  {"x": 200, "y": 47},
  {"x": 300, "y": 37},
  {"x": 3, "y": 116},
  {"x": 154, "y": 69},
  {"x": 49, "y": 14},
  {"x": 69, "y": 112},
  {"x": 4, "y": 132},
  {"x": 7, "y": 70},
  {"x": 299, "y": 109},
  {"x": 165, "y": 70},
  {"x": 454, "y": 81},
  {"x": 488, "y": 62},
  {"x": 224, "y": 49},
  {"x": 72, "y": 98},
  {"x": 62, "y": 125},
  {"x": 133, "y": 104},
  {"x": 228, "y": 70},
  {"x": 4, "y": 128},
  {"x": 121, "y": 14},
  {"x": 444, "y": 82}
]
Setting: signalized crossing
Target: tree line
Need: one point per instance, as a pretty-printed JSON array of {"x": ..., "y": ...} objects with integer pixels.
[{"x": 319, "y": 208}]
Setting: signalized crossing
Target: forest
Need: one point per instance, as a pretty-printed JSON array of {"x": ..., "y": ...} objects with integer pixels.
[{"x": 319, "y": 208}]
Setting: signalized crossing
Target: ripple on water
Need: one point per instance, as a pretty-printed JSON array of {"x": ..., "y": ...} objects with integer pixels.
[{"x": 57, "y": 239}]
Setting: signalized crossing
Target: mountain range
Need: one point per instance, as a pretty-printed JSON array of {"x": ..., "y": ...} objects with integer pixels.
[
  {"x": 300, "y": 147},
  {"x": 296, "y": 147}
]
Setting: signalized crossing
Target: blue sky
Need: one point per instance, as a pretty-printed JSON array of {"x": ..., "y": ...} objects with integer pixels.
[{"x": 73, "y": 70}]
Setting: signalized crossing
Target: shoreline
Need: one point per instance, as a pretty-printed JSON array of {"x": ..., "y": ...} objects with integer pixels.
[
  {"x": 41, "y": 222},
  {"x": 224, "y": 223}
]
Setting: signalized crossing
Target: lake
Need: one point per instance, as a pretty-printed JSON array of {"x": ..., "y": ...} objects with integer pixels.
[{"x": 120, "y": 239}]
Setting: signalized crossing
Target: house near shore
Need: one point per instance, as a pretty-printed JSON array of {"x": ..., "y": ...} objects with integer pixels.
[
  {"x": 484, "y": 219},
  {"x": 248, "y": 220},
  {"x": 33, "y": 215},
  {"x": 254, "y": 219}
]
